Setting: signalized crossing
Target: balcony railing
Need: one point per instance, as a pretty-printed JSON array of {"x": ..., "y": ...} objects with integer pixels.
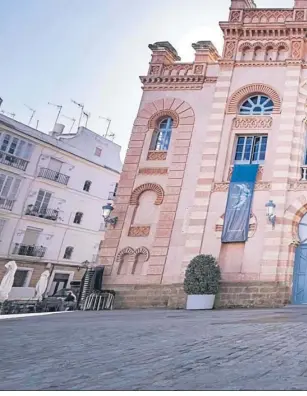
[
  {"x": 11, "y": 160},
  {"x": 29, "y": 250},
  {"x": 53, "y": 175},
  {"x": 48, "y": 214},
  {"x": 6, "y": 204}
]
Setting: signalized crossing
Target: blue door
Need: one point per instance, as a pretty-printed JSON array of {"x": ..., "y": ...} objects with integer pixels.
[{"x": 300, "y": 276}]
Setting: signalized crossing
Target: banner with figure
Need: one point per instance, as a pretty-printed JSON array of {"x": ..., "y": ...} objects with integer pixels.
[{"x": 239, "y": 203}]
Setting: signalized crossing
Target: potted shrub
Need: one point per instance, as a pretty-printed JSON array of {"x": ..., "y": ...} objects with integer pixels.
[{"x": 202, "y": 281}]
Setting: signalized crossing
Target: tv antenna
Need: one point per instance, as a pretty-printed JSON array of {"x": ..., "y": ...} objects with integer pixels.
[
  {"x": 112, "y": 136},
  {"x": 59, "y": 107},
  {"x": 32, "y": 115},
  {"x": 81, "y": 106},
  {"x": 71, "y": 119},
  {"x": 12, "y": 115},
  {"x": 87, "y": 115},
  {"x": 108, "y": 127}
]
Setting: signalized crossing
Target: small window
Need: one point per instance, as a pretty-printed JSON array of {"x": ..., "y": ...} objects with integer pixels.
[
  {"x": 68, "y": 252},
  {"x": 162, "y": 137},
  {"x": 251, "y": 149},
  {"x": 98, "y": 152},
  {"x": 78, "y": 217},
  {"x": 257, "y": 105},
  {"x": 20, "y": 278},
  {"x": 87, "y": 185}
]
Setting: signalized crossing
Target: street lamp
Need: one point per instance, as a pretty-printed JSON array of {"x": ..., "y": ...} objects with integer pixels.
[
  {"x": 106, "y": 212},
  {"x": 271, "y": 212}
]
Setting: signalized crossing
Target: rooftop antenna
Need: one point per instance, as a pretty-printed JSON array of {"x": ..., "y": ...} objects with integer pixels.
[
  {"x": 87, "y": 115},
  {"x": 108, "y": 127},
  {"x": 81, "y": 106},
  {"x": 32, "y": 115},
  {"x": 59, "y": 107},
  {"x": 1, "y": 101},
  {"x": 37, "y": 122},
  {"x": 13, "y": 115},
  {"x": 71, "y": 119}
]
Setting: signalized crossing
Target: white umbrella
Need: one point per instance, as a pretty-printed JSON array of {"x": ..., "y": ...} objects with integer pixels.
[
  {"x": 41, "y": 285},
  {"x": 8, "y": 280}
]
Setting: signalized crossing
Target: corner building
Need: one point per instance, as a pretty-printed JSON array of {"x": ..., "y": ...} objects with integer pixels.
[{"x": 196, "y": 121}]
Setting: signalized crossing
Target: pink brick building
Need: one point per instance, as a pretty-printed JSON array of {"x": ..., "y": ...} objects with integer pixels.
[{"x": 195, "y": 122}]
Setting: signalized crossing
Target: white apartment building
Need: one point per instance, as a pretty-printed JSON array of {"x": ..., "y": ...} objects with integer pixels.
[{"x": 52, "y": 189}]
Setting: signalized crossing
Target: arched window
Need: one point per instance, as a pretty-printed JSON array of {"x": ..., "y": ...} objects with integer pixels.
[
  {"x": 269, "y": 54},
  {"x": 257, "y": 105},
  {"x": 87, "y": 185},
  {"x": 302, "y": 229},
  {"x": 161, "y": 138},
  {"x": 281, "y": 53},
  {"x": 258, "y": 54}
]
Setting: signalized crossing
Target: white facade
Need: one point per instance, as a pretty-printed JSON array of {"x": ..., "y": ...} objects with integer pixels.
[{"x": 63, "y": 225}]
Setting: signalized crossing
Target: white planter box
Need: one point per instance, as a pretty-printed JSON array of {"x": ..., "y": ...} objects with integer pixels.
[{"x": 200, "y": 301}]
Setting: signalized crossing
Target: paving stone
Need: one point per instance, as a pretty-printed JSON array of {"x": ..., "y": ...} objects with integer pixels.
[{"x": 156, "y": 350}]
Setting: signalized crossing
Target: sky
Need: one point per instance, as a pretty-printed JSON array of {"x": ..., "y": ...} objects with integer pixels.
[{"x": 94, "y": 51}]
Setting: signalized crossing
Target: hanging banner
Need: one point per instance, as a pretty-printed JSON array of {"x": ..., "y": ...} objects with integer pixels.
[{"x": 239, "y": 203}]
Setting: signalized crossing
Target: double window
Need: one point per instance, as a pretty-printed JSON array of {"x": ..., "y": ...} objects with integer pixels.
[
  {"x": 15, "y": 146},
  {"x": 78, "y": 218},
  {"x": 162, "y": 137},
  {"x": 9, "y": 186},
  {"x": 42, "y": 201},
  {"x": 68, "y": 252},
  {"x": 87, "y": 186},
  {"x": 251, "y": 149}
]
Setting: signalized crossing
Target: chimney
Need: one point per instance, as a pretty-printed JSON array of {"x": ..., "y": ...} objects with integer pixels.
[
  {"x": 205, "y": 52},
  {"x": 57, "y": 130},
  {"x": 240, "y": 4},
  {"x": 300, "y": 3}
]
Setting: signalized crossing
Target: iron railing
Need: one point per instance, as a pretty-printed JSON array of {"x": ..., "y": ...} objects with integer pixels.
[
  {"x": 11, "y": 160},
  {"x": 6, "y": 204},
  {"x": 48, "y": 214},
  {"x": 29, "y": 250},
  {"x": 111, "y": 195},
  {"x": 304, "y": 172},
  {"x": 53, "y": 175}
]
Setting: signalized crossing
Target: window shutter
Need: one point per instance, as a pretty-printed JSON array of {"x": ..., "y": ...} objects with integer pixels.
[
  {"x": 2, "y": 224},
  {"x": 2, "y": 179},
  {"x": 7, "y": 186},
  {"x": 14, "y": 189}
]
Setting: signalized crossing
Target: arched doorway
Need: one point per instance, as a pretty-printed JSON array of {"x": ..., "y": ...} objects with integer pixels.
[{"x": 300, "y": 267}]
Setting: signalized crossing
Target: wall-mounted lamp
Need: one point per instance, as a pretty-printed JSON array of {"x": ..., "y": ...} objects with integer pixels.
[
  {"x": 106, "y": 212},
  {"x": 271, "y": 212}
]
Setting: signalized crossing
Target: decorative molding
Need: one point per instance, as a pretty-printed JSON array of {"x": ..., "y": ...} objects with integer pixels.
[
  {"x": 261, "y": 63},
  {"x": 297, "y": 186},
  {"x": 297, "y": 49},
  {"x": 139, "y": 231},
  {"x": 267, "y": 15},
  {"x": 153, "y": 171},
  {"x": 157, "y": 155},
  {"x": 156, "y": 118},
  {"x": 142, "y": 250},
  {"x": 252, "y": 122},
  {"x": 223, "y": 187},
  {"x": 133, "y": 253},
  {"x": 127, "y": 250},
  {"x": 264, "y": 46},
  {"x": 242, "y": 93},
  {"x": 300, "y": 15},
  {"x": 134, "y": 199},
  {"x": 235, "y": 16},
  {"x": 229, "y": 50},
  {"x": 172, "y": 83}
]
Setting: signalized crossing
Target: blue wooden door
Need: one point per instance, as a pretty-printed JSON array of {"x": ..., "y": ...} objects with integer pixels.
[{"x": 300, "y": 276}]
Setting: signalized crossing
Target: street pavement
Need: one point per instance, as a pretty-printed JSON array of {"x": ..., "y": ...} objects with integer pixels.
[{"x": 156, "y": 350}]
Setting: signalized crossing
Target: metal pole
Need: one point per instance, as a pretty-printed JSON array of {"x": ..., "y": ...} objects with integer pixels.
[
  {"x": 31, "y": 118},
  {"x": 58, "y": 116},
  {"x": 37, "y": 122},
  {"x": 109, "y": 123}
]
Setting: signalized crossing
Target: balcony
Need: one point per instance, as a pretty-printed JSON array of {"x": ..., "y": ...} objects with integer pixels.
[
  {"x": 111, "y": 196},
  {"x": 29, "y": 250},
  {"x": 50, "y": 174},
  {"x": 48, "y": 214},
  {"x": 6, "y": 204},
  {"x": 11, "y": 160}
]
